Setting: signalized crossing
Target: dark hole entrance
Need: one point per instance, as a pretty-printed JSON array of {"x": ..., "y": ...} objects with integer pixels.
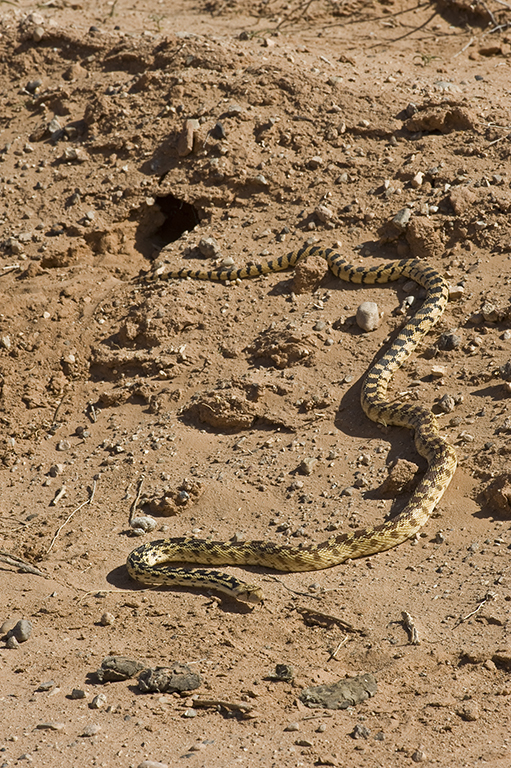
[{"x": 179, "y": 217}]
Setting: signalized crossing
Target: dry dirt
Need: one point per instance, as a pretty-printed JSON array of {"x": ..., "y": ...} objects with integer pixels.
[{"x": 237, "y": 406}]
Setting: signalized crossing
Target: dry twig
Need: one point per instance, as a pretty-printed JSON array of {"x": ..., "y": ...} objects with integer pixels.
[
  {"x": 66, "y": 521},
  {"x": 17, "y": 562}
]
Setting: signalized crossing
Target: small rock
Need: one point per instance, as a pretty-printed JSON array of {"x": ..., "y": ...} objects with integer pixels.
[
  {"x": 417, "y": 180},
  {"x": 401, "y": 219},
  {"x": 324, "y": 214},
  {"x": 418, "y": 756},
  {"x": 152, "y": 764},
  {"x": 447, "y": 403},
  {"x": 47, "y": 686},
  {"x": 21, "y": 632},
  {"x": 360, "y": 731},
  {"x": 179, "y": 677},
  {"x": 186, "y": 137},
  {"x": 449, "y": 341},
  {"x": 78, "y": 693},
  {"x": 292, "y": 727},
  {"x": 315, "y": 162},
  {"x": 437, "y": 371},
  {"x": 368, "y": 316},
  {"x": 190, "y": 713},
  {"x": 283, "y": 672},
  {"x": 209, "y": 247},
  {"x": 456, "y": 292},
  {"x": 116, "y": 668},
  {"x": 143, "y": 523},
  {"x": 90, "y": 730},
  {"x": 33, "y": 85},
  {"x": 218, "y": 132},
  {"x": 98, "y": 701},
  {"x": 38, "y": 34},
  {"x": 107, "y": 619},
  {"x": 342, "y": 694},
  {"x": 63, "y": 445},
  {"x": 307, "y": 465}
]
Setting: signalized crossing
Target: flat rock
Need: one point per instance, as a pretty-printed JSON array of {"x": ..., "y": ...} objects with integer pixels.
[{"x": 342, "y": 694}]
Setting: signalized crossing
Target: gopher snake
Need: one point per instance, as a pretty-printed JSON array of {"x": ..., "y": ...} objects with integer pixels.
[{"x": 148, "y": 563}]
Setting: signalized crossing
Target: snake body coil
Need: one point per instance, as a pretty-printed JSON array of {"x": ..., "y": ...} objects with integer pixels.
[{"x": 149, "y": 563}]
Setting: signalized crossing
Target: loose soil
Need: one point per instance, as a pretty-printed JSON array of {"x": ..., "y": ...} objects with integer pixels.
[{"x": 233, "y": 409}]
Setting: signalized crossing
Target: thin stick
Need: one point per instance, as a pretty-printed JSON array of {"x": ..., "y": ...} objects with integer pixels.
[
  {"x": 507, "y": 136},
  {"x": 89, "y": 501},
  {"x": 337, "y": 649},
  {"x": 464, "y": 47},
  {"x": 17, "y": 562},
  {"x": 489, "y": 596}
]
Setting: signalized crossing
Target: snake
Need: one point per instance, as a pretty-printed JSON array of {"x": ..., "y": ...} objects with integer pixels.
[{"x": 153, "y": 563}]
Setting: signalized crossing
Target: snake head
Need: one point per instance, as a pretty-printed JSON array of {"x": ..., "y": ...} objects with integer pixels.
[{"x": 249, "y": 593}]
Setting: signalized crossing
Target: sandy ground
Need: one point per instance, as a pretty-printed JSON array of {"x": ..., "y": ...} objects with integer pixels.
[{"x": 233, "y": 410}]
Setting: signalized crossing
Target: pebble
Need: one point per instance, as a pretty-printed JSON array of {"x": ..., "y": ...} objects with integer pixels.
[
  {"x": 307, "y": 465},
  {"x": 98, "y": 701},
  {"x": 324, "y": 214},
  {"x": 218, "y": 132},
  {"x": 143, "y": 524},
  {"x": 152, "y": 764},
  {"x": 418, "y": 756},
  {"x": 33, "y": 85},
  {"x": 78, "y": 693},
  {"x": 456, "y": 292},
  {"x": 46, "y": 686},
  {"x": 447, "y": 403},
  {"x": 360, "y": 731},
  {"x": 292, "y": 727},
  {"x": 90, "y": 730},
  {"x": 107, "y": 619},
  {"x": 21, "y": 631},
  {"x": 38, "y": 34},
  {"x": 63, "y": 445},
  {"x": 417, "y": 180},
  {"x": 315, "y": 162},
  {"x": 368, "y": 316},
  {"x": 186, "y": 137},
  {"x": 401, "y": 219},
  {"x": 190, "y": 713},
  {"x": 209, "y": 247},
  {"x": 449, "y": 341},
  {"x": 437, "y": 371}
]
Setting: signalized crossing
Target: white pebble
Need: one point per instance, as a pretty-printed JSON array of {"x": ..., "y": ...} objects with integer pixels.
[
  {"x": 143, "y": 523},
  {"x": 368, "y": 316},
  {"x": 152, "y": 764},
  {"x": 98, "y": 701},
  {"x": 417, "y": 180}
]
